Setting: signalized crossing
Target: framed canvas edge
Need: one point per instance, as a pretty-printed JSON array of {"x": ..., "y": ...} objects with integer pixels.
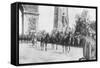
[{"x": 16, "y": 63}]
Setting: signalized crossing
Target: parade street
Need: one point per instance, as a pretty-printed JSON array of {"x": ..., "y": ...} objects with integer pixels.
[{"x": 33, "y": 54}]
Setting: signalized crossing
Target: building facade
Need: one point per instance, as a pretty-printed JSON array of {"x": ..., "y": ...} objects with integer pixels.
[
  {"x": 61, "y": 21},
  {"x": 29, "y": 19}
]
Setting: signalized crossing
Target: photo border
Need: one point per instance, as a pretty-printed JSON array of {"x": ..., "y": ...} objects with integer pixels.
[{"x": 47, "y": 4}]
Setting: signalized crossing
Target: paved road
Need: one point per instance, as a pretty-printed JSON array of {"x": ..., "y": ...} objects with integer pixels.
[{"x": 29, "y": 54}]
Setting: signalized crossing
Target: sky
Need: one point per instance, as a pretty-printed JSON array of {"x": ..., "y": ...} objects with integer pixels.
[
  {"x": 46, "y": 18},
  {"x": 72, "y": 13}
]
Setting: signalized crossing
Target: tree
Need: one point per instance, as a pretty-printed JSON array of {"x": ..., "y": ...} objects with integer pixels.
[{"x": 82, "y": 23}]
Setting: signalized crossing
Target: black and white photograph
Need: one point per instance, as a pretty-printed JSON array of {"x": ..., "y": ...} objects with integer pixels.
[{"x": 56, "y": 33}]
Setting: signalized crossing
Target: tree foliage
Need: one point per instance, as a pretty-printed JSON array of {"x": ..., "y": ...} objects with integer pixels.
[
  {"x": 84, "y": 26},
  {"x": 82, "y": 23}
]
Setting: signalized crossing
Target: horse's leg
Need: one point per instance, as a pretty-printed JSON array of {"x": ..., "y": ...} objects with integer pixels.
[
  {"x": 68, "y": 48},
  {"x": 63, "y": 48},
  {"x": 56, "y": 47},
  {"x": 41, "y": 45},
  {"x": 45, "y": 46},
  {"x": 35, "y": 43},
  {"x": 32, "y": 43}
]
